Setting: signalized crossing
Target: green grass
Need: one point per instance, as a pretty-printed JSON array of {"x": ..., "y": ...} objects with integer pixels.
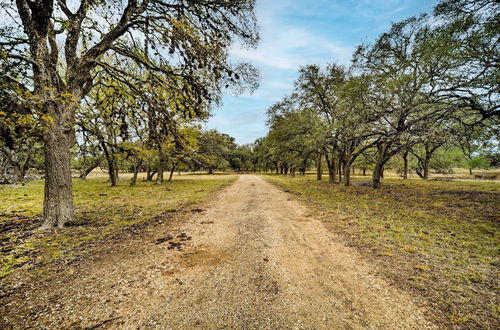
[
  {"x": 438, "y": 238},
  {"x": 101, "y": 211}
]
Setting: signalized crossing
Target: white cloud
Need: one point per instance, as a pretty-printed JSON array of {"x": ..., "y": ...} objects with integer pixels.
[{"x": 295, "y": 33}]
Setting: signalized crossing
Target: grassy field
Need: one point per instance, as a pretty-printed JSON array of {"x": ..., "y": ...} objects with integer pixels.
[
  {"x": 438, "y": 238},
  {"x": 101, "y": 211}
]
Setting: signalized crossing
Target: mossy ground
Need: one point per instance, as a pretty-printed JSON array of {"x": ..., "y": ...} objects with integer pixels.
[
  {"x": 438, "y": 238},
  {"x": 101, "y": 211}
]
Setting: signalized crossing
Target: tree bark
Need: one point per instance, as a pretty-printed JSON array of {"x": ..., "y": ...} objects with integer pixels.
[
  {"x": 86, "y": 171},
  {"x": 159, "y": 177},
  {"x": 172, "y": 172},
  {"x": 378, "y": 171},
  {"x": 347, "y": 174},
  {"x": 405, "y": 169},
  {"x": 58, "y": 207},
  {"x": 319, "y": 171},
  {"x": 429, "y": 150},
  {"x": 112, "y": 174},
  {"x": 137, "y": 166},
  {"x": 426, "y": 167},
  {"x": 340, "y": 171},
  {"x": 151, "y": 174},
  {"x": 332, "y": 168},
  {"x": 377, "y": 174}
]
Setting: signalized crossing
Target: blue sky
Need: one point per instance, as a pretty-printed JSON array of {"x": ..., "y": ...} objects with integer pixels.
[{"x": 300, "y": 32}]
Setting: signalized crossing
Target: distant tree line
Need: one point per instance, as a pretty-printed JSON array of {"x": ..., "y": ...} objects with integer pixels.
[{"x": 431, "y": 83}]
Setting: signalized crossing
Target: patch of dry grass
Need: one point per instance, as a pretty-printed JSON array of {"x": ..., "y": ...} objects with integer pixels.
[
  {"x": 101, "y": 211},
  {"x": 438, "y": 238}
]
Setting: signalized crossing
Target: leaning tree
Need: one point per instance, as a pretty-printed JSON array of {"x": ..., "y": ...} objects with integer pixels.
[{"x": 62, "y": 46}]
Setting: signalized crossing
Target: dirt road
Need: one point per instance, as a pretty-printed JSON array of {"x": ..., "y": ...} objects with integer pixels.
[{"x": 252, "y": 258}]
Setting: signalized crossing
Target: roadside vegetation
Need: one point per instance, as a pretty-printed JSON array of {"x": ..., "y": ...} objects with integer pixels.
[
  {"x": 101, "y": 212},
  {"x": 437, "y": 238},
  {"x": 127, "y": 86}
]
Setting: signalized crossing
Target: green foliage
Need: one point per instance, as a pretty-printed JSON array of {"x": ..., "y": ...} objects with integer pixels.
[{"x": 423, "y": 86}]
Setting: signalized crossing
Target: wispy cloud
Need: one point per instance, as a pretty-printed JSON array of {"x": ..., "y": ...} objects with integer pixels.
[{"x": 296, "y": 33}]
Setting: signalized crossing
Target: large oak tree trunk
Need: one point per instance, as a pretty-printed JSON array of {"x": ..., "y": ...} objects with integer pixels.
[{"x": 58, "y": 206}]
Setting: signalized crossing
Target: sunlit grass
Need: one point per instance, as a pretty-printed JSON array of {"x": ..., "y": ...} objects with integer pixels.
[{"x": 440, "y": 238}]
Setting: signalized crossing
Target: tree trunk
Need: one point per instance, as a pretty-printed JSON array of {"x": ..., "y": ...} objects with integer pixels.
[
  {"x": 340, "y": 171},
  {"x": 159, "y": 177},
  {"x": 277, "y": 169},
  {"x": 151, "y": 174},
  {"x": 364, "y": 171},
  {"x": 161, "y": 164},
  {"x": 172, "y": 172},
  {"x": 377, "y": 174},
  {"x": 112, "y": 173},
  {"x": 319, "y": 171},
  {"x": 58, "y": 207},
  {"x": 87, "y": 170},
  {"x": 470, "y": 170},
  {"x": 332, "y": 168},
  {"x": 137, "y": 166},
  {"x": 405, "y": 168},
  {"x": 426, "y": 167},
  {"x": 347, "y": 174},
  {"x": 378, "y": 171}
]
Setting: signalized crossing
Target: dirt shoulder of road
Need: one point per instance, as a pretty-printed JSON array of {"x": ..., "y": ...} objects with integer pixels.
[{"x": 436, "y": 240}]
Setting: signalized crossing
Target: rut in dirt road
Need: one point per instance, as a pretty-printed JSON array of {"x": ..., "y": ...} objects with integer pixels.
[{"x": 256, "y": 260}]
